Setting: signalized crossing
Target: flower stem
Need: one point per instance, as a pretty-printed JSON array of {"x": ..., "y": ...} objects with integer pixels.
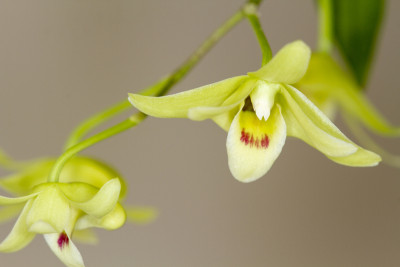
[
  {"x": 176, "y": 76},
  {"x": 120, "y": 127},
  {"x": 107, "y": 114},
  {"x": 325, "y": 31},
  {"x": 252, "y": 17},
  {"x": 158, "y": 89},
  {"x": 95, "y": 120}
]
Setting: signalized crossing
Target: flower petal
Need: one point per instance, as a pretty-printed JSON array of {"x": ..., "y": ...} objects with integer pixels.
[
  {"x": 364, "y": 139},
  {"x": 19, "y": 237},
  {"x": 50, "y": 211},
  {"x": 224, "y": 114},
  {"x": 111, "y": 221},
  {"x": 9, "y": 212},
  {"x": 203, "y": 113},
  {"x": 253, "y": 145},
  {"x": 325, "y": 76},
  {"x": 305, "y": 121},
  {"x": 361, "y": 158},
  {"x": 87, "y": 236},
  {"x": 89, "y": 171},
  {"x": 64, "y": 249},
  {"x": 103, "y": 202},
  {"x": 141, "y": 215},
  {"x": 224, "y": 120},
  {"x": 177, "y": 106},
  {"x": 77, "y": 191},
  {"x": 356, "y": 104},
  {"x": 22, "y": 182},
  {"x": 288, "y": 66},
  {"x": 15, "y": 200}
]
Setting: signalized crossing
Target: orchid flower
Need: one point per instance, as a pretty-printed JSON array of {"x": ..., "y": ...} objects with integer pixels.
[
  {"x": 81, "y": 174},
  {"x": 78, "y": 169},
  {"x": 259, "y": 110},
  {"x": 57, "y": 209},
  {"x": 332, "y": 88}
]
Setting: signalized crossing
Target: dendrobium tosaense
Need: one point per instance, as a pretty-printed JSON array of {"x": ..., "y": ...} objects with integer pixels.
[
  {"x": 81, "y": 178},
  {"x": 56, "y": 210},
  {"x": 259, "y": 110},
  {"x": 87, "y": 197}
]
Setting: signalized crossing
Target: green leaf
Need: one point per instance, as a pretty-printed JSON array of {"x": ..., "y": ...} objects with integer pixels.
[{"x": 357, "y": 24}]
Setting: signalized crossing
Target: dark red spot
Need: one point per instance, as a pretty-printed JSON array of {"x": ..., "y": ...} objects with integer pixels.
[
  {"x": 63, "y": 240},
  {"x": 245, "y": 137},
  {"x": 265, "y": 141},
  {"x": 249, "y": 139}
]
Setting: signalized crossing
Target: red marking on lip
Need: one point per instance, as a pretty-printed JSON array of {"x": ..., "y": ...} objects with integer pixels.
[
  {"x": 63, "y": 240},
  {"x": 249, "y": 139}
]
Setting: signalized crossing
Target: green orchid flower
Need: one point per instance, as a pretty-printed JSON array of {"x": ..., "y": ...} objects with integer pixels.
[
  {"x": 89, "y": 172},
  {"x": 56, "y": 210},
  {"x": 78, "y": 169},
  {"x": 35, "y": 172},
  {"x": 259, "y": 110},
  {"x": 331, "y": 88}
]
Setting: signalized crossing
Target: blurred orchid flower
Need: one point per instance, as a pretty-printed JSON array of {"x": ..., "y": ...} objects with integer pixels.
[
  {"x": 331, "y": 88},
  {"x": 81, "y": 174},
  {"x": 259, "y": 110},
  {"x": 57, "y": 209}
]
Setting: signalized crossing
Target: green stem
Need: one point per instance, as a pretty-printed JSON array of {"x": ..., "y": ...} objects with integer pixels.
[
  {"x": 325, "y": 31},
  {"x": 160, "y": 88},
  {"x": 252, "y": 17},
  {"x": 177, "y": 75},
  {"x": 209, "y": 43},
  {"x": 116, "y": 129},
  {"x": 94, "y": 121},
  {"x": 107, "y": 114}
]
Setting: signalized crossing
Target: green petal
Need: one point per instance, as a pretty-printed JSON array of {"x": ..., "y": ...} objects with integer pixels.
[
  {"x": 9, "y": 212},
  {"x": 111, "y": 221},
  {"x": 288, "y": 66},
  {"x": 87, "y": 236},
  {"x": 361, "y": 158},
  {"x": 325, "y": 76},
  {"x": 89, "y": 171},
  {"x": 16, "y": 200},
  {"x": 103, "y": 202},
  {"x": 22, "y": 182},
  {"x": 224, "y": 120},
  {"x": 19, "y": 237},
  {"x": 203, "y": 113},
  {"x": 253, "y": 145},
  {"x": 77, "y": 191},
  {"x": 50, "y": 211},
  {"x": 305, "y": 121},
  {"x": 177, "y": 106},
  {"x": 223, "y": 115},
  {"x": 355, "y": 103},
  {"x": 65, "y": 250},
  {"x": 8, "y": 163},
  {"x": 141, "y": 215},
  {"x": 388, "y": 158}
]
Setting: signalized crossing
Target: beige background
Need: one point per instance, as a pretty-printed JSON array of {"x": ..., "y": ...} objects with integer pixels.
[{"x": 63, "y": 60}]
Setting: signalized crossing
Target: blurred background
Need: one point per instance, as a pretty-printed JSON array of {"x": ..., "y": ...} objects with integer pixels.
[{"x": 64, "y": 60}]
